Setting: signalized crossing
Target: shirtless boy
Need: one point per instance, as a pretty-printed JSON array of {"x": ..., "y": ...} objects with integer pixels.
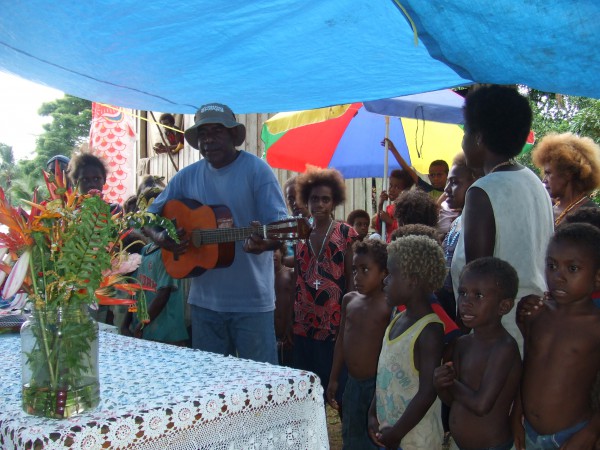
[
  {"x": 365, "y": 316},
  {"x": 481, "y": 382},
  {"x": 562, "y": 348}
]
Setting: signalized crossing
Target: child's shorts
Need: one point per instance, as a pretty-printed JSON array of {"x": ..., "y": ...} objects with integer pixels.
[
  {"x": 506, "y": 446},
  {"x": 535, "y": 441}
]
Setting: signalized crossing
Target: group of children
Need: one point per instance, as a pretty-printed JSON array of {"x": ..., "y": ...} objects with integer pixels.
[
  {"x": 497, "y": 401},
  {"x": 400, "y": 364}
]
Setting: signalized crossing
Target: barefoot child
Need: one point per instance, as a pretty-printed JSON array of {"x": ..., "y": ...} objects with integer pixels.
[
  {"x": 562, "y": 348},
  {"x": 405, "y": 411},
  {"x": 365, "y": 316},
  {"x": 482, "y": 380}
]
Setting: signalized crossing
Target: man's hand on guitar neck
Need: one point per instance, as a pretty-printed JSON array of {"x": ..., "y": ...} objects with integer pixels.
[
  {"x": 256, "y": 244},
  {"x": 162, "y": 239}
]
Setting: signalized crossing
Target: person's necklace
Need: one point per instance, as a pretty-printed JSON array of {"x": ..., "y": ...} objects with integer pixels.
[
  {"x": 510, "y": 162},
  {"x": 572, "y": 205},
  {"x": 452, "y": 237},
  {"x": 318, "y": 282}
]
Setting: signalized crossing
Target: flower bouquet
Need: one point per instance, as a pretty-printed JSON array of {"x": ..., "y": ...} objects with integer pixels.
[{"x": 61, "y": 255}]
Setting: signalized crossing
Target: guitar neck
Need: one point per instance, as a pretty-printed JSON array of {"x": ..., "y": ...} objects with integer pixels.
[{"x": 221, "y": 235}]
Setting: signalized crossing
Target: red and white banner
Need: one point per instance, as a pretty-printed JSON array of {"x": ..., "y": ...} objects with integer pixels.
[{"x": 112, "y": 139}]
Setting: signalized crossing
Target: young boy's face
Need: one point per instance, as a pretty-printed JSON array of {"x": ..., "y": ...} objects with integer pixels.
[
  {"x": 91, "y": 177},
  {"x": 368, "y": 276},
  {"x": 396, "y": 285},
  {"x": 571, "y": 272},
  {"x": 479, "y": 300},
  {"x": 361, "y": 225},
  {"x": 395, "y": 187},
  {"x": 438, "y": 176}
]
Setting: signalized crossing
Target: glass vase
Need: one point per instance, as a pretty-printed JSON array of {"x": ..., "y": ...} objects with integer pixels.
[{"x": 59, "y": 362}]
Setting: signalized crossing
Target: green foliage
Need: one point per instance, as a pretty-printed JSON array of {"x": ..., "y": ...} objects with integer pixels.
[
  {"x": 69, "y": 128},
  {"x": 587, "y": 121},
  {"x": 142, "y": 218},
  {"x": 7, "y": 167},
  {"x": 78, "y": 266},
  {"x": 28, "y": 177}
]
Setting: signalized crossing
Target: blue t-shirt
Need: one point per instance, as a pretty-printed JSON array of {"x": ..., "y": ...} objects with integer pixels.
[{"x": 249, "y": 188}]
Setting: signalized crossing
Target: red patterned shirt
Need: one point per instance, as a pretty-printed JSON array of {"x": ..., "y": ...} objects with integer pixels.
[{"x": 320, "y": 285}]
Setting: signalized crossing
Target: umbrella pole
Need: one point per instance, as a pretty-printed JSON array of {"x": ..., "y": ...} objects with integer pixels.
[{"x": 385, "y": 172}]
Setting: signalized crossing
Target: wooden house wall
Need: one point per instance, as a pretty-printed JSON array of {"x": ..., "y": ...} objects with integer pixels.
[{"x": 358, "y": 191}]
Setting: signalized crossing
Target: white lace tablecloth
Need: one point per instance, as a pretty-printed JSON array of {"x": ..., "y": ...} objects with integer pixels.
[{"x": 155, "y": 396}]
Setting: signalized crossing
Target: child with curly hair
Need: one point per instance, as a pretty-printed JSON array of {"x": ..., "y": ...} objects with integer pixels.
[
  {"x": 324, "y": 272},
  {"x": 416, "y": 206},
  {"x": 87, "y": 172},
  {"x": 405, "y": 410},
  {"x": 399, "y": 181},
  {"x": 359, "y": 219},
  {"x": 571, "y": 168},
  {"x": 365, "y": 316}
]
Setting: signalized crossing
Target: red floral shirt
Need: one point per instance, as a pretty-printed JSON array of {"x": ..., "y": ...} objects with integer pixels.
[{"x": 321, "y": 285}]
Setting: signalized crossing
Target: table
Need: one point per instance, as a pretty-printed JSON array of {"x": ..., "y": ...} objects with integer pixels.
[{"x": 156, "y": 396}]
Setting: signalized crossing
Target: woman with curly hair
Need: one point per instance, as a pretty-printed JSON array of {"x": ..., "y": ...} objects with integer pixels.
[
  {"x": 507, "y": 212},
  {"x": 571, "y": 168},
  {"x": 324, "y": 273}
]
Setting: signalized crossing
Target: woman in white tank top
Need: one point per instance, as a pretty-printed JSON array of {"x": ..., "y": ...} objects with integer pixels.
[{"x": 507, "y": 213}]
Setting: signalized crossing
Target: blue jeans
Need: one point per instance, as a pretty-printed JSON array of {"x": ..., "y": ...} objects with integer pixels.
[
  {"x": 535, "y": 441},
  {"x": 356, "y": 402},
  {"x": 245, "y": 335}
]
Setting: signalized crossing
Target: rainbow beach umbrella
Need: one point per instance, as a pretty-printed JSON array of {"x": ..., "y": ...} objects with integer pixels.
[{"x": 424, "y": 128}]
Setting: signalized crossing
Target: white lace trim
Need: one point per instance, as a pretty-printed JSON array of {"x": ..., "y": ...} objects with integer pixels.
[{"x": 160, "y": 397}]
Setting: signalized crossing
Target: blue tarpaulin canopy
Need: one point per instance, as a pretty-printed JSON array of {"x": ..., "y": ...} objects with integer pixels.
[{"x": 281, "y": 55}]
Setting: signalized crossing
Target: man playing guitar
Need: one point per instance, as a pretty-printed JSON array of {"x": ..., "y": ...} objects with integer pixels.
[{"x": 231, "y": 308}]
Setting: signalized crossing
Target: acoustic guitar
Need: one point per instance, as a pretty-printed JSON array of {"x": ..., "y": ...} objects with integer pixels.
[{"x": 212, "y": 236}]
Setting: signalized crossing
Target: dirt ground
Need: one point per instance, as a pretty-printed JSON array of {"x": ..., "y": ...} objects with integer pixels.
[{"x": 334, "y": 429}]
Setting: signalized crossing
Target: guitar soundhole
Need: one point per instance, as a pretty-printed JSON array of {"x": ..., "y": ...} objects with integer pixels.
[{"x": 225, "y": 222}]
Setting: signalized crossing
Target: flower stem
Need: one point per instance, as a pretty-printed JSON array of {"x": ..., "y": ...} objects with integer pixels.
[
  {"x": 46, "y": 348},
  {"x": 40, "y": 318}
]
